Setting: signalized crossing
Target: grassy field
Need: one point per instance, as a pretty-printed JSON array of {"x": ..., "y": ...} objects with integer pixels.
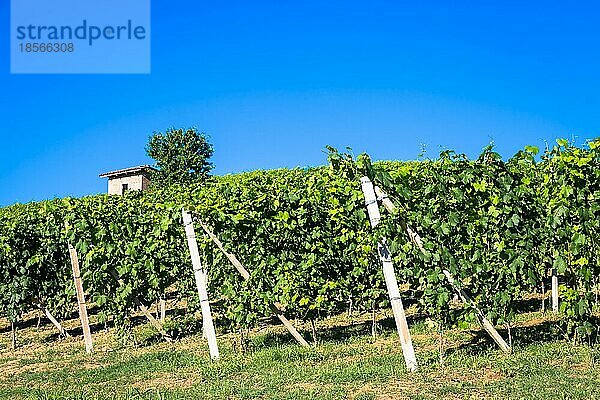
[{"x": 347, "y": 363}]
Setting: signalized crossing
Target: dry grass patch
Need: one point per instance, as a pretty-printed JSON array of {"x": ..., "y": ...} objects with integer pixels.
[{"x": 166, "y": 381}]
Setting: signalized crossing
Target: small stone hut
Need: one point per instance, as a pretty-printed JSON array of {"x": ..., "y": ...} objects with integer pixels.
[{"x": 123, "y": 180}]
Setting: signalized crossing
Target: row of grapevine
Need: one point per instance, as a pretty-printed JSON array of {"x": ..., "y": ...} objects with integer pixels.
[
  {"x": 497, "y": 226},
  {"x": 500, "y": 227},
  {"x": 133, "y": 247}
]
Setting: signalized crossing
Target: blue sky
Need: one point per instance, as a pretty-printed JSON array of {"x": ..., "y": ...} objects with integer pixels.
[{"x": 272, "y": 83}]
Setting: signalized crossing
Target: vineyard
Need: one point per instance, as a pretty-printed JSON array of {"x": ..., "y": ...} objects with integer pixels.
[{"x": 499, "y": 227}]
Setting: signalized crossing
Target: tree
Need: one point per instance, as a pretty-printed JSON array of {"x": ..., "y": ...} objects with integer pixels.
[{"x": 181, "y": 156}]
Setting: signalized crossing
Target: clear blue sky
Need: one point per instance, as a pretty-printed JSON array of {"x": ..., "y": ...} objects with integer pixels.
[{"x": 274, "y": 82}]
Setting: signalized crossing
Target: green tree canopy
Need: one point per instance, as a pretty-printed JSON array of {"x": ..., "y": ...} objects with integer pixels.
[{"x": 181, "y": 155}]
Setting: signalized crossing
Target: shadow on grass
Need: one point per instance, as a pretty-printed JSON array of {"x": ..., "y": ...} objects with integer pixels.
[
  {"x": 333, "y": 334},
  {"x": 481, "y": 342},
  {"x": 181, "y": 325},
  {"x": 32, "y": 322},
  {"x": 530, "y": 305}
]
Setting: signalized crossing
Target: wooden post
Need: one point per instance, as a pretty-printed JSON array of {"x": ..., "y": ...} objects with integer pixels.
[
  {"x": 485, "y": 323},
  {"x": 85, "y": 323},
  {"x": 13, "y": 335},
  {"x": 554, "y": 291},
  {"x": 391, "y": 208},
  {"x": 543, "y": 296},
  {"x": 157, "y": 325},
  {"x": 416, "y": 239},
  {"x": 57, "y": 324},
  {"x": 397, "y": 307},
  {"x": 163, "y": 310},
  {"x": 370, "y": 201},
  {"x": 276, "y": 307},
  {"x": 201, "y": 284},
  {"x": 390, "y": 278}
]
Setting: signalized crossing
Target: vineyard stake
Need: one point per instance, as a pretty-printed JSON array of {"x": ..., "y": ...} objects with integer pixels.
[
  {"x": 543, "y": 296},
  {"x": 554, "y": 291},
  {"x": 54, "y": 321},
  {"x": 157, "y": 325},
  {"x": 85, "y": 323},
  {"x": 416, "y": 239},
  {"x": 200, "y": 276},
  {"x": 163, "y": 310},
  {"x": 487, "y": 325},
  {"x": 275, "y": 307},
  {"x": 390, "y": 278},
  {"x": 13, "y": 335}
]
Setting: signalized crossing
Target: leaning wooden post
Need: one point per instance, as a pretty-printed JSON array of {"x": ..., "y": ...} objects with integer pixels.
[
  {"x": 200, "y": 276},
  {"x": 54, "y": 321},
  {"x": 485, "y": 323},
  {"x": 416, "y": 239},
  {"x": 85, "y": 323},
  {"x": 157, "y": 325},
  {"x": 554, "y": 291},
  {"x": 390, "y": 278},
  {"x": 275, "y": 307}
]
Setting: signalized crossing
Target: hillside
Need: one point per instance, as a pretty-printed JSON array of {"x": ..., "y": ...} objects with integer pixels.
[{"x": 495, "y": 229}]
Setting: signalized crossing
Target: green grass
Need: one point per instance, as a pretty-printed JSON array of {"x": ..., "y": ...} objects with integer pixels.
[{"x": 347, "y": 364}]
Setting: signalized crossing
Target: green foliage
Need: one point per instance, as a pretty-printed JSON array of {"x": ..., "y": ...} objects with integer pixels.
[
  {"x": 498, "y": 226},
  {"x": 181, "y": 156},
  {"x": 477, "y": 220},
  {"x": 32, "y": 261},
  {"x": 570, "y": 195}
]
